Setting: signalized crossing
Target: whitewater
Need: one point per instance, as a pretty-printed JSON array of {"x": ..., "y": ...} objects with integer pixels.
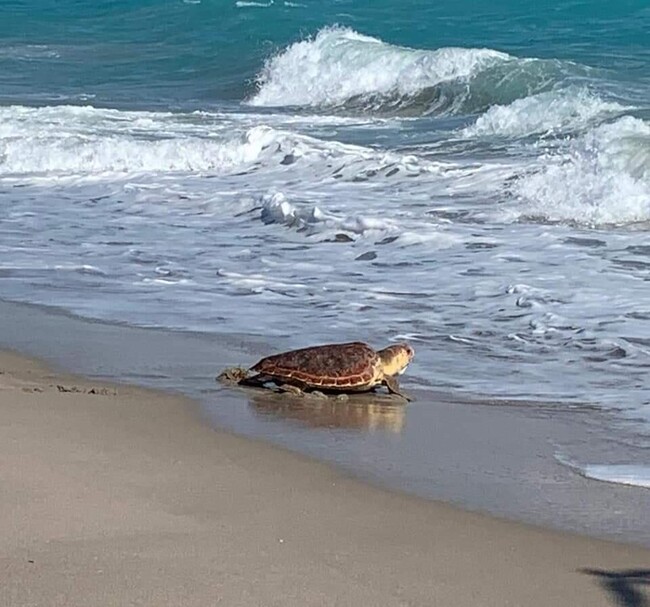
[{"x": 491, "y": 207}]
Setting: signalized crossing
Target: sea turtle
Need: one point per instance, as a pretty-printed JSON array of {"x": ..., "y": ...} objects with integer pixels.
[{"x": 349, "y": 367}]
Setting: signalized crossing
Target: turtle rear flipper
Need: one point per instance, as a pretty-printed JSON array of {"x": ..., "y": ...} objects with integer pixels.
[
  {"x": 255, "y": 381},
  {"x": 260, "y": 380}
]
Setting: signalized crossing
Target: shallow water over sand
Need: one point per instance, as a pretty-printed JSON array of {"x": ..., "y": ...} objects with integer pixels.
[{"x": 499, "y": 457}]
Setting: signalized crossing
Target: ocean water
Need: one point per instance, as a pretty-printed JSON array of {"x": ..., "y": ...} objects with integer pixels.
[{"x": 475, "y": 180}]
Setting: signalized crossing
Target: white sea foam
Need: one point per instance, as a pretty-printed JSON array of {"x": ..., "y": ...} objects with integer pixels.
[
  {"x": 340, "y": 64},
  {"x": 545, "y": 113},
  {"x": 624, "y": 474},
  {"x": 71, "y": 140},
  {"x": 28, "y": 52},
  {"x": 76, "y": 155},
  {"x": 277, "y": 209},
  {"x": 601, "y": 178},
  {"x": 56, "y": 142},
  {"x": 251, "y": 3},
  {"x": 314, "y": 221},
  {"x": 637, "y": 475}
]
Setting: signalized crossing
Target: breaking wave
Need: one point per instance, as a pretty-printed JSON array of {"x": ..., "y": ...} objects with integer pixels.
[
  {"x": 547, "y": 113},
  {"x": 341, "y": 68},
  {"x": 600, "y": 178},
  {"x": 81, "y": 142}
]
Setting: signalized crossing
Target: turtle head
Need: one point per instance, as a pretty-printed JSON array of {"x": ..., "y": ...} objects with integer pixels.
[{"x": 395, "y": 359}]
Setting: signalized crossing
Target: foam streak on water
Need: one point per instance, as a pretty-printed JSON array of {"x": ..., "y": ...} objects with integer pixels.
[
  {"x": 492, "y": 209},
  {"x": 622, "y": 474}
]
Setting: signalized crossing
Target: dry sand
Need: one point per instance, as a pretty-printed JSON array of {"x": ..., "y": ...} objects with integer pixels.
[{"x": 120, "y": 496}]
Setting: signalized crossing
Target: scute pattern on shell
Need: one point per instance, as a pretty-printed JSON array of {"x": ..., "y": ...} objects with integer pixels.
[{"x": 330, "y": 366}]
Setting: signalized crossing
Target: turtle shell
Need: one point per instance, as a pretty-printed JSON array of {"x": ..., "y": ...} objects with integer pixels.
[{"x": 332, "y": 366}]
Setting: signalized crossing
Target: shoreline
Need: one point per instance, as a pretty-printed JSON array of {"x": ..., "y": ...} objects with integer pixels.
[
  {"x": 116, "y": 494},
  {"x": 490, "y": 457}
]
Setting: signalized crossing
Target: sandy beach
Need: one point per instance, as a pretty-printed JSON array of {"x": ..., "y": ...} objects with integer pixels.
[
  {"x": 194, "y": 186},
  {"x": 113, "y": 495}
]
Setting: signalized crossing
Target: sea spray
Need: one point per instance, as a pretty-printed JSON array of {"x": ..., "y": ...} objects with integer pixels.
[{"x": 601, "y": 178}]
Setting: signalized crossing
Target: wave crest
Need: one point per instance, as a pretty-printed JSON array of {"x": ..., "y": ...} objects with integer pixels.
[
  {"x": 341, "y": 68},
  {"x": 545, "y": 113},
  {"x": 339, "y": 65}
]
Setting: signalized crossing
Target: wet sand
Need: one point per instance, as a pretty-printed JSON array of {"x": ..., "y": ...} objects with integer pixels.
[
  {"x": 114, "y": 495},
  {"x": 482, "y": 455}
]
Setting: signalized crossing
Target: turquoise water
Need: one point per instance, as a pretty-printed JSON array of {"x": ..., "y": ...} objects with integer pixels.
[
  {"x": 471, "y": 177},
  {"x": 188, "y": 53}
]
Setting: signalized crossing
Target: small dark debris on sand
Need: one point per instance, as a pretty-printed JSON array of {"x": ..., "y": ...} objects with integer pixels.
[{"x": 77, "y": 390}]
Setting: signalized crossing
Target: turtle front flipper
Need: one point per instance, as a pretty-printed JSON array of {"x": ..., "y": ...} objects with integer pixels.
[{"x": 393, "y": 387}]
